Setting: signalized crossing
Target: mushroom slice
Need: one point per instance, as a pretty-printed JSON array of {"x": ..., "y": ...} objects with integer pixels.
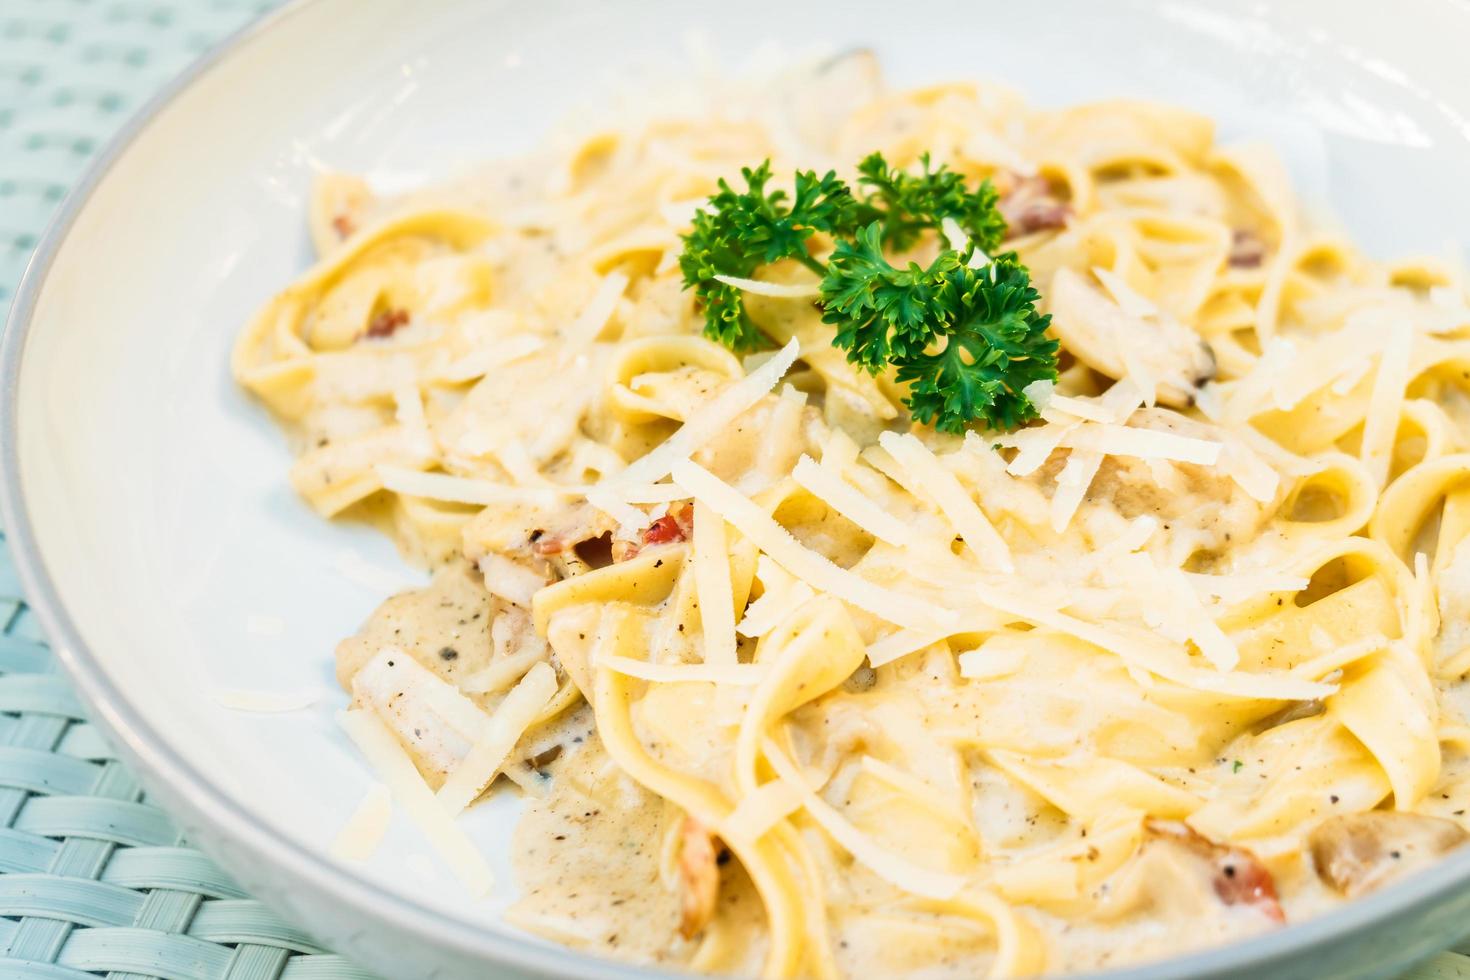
[
  {"x": 1116, "y": 342},
  {"x": 1357, "y": 852}
]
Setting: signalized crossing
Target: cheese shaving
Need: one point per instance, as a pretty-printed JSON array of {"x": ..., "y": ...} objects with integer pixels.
[
  {"x": 712, "y": 585},
  {"x": 409, "y": 790},
  {"x": 1147, "y": 653},
  {"x": 1072, "y": 483},
  {"x": 583, "y": 331},
  {"x": 512, "y": 717},
  {"x": 500, "y": 674},
  {"x": 1341, "y": 656},
  {"x": 1034, "y": 446},
  {"x": 479, "y": 363},
  {"x": 1385, "y": 405},
  {"x": 1239, "y": 587},
  {"x": 827, "y": 486},
  {"x": 986, "y": 662},
  {"x": 1086, "y": 409},
  {"x": 1128, "y": 300},
  {"x": 1249, "y": 471},
  {"x": 892, "y": 868},
  {"x": 1123, "y": 440},
  {"x": 958, "y": 507},
  {"x": 814, "y": 569},
  {"x": 1199, "y": 626},
  {"x": 776, "y": 290},
  {"x": 464, "y": 490},
  {"x": 774, "y": 605},
  {"x": 365, "y": 829},
  {"x": 698, "y": 429}
]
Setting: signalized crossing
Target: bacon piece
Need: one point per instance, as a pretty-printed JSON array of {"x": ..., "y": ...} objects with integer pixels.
[
  {"x": 343, "y": 225},
  {"x": 665, "y": 530},
  {"x": 544, "y": 544},
  {"x": 1031, "y": 205},
  {"x": 1247, "y": 249},
  {"x": 385, "y": 324},
  {"x": 1239, "y": 877},
  {"x": 676, "y": 525},
  {"x": 699, "y": 877}
]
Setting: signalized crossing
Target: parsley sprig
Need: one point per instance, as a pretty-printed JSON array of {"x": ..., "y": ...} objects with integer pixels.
[
  {"x": 963, "y": 332},
  {"x": 744, "y": 230},
  {"x": 908, "y": 204}
]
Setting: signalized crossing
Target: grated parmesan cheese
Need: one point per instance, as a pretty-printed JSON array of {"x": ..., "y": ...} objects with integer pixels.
[
  {"x": 408, "y": 788},
  {"x": 1128, "y": 300},
  {"x": 958, "y": 507},
  {"x": 1249, "y": 471},
  {"x": 991, "y": 660},
  {"x": 512, "y": 717},
  {"x": 1386, "y": 403},
  {"x": 501, "y": 674},
  {"x": 1072, "y": 483},
  {"x": 583, "y": 331},
  {"x": 816, "y": 570},
  {"x": 702, "y": 426},
  {"x": 464, "y": 490},
  {"x": 776, "y": 290},
  {"x": 783, "y": 595},
  {"x": 1336, "y": 659},
  {"x": 482, "y": 361},
  {"x": 712, "y": 586},
  {"x": 1123, "y": 440},
  {"x": 896, "y": 870},
  {"x": 1034, "y": 446},
  {"x": 1147, "y": 653},
  {"x": 364, "y": 830},
  {"x": 826, "y": 485}
]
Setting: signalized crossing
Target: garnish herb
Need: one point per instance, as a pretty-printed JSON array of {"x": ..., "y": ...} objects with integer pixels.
[{"x": 963, "y": 332}]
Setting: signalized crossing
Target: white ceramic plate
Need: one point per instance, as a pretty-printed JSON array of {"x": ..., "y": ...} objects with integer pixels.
[{"x": 147, "y": 496}]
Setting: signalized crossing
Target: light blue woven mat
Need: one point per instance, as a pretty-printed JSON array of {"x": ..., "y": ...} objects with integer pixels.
[{"x": 95, "y": 880}]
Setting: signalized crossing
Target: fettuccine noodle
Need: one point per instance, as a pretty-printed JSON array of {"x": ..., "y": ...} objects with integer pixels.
[{"x": 798, "y": 688}]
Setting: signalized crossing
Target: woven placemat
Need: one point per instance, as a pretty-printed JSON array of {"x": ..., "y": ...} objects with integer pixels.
[{"x": 94, "y": 879}]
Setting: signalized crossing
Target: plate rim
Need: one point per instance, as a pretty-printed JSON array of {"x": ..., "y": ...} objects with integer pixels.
[{"x": 205, "y": 802}]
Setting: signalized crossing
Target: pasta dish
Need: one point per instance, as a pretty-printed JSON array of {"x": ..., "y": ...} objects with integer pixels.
[{"x": 893, "y": 533}]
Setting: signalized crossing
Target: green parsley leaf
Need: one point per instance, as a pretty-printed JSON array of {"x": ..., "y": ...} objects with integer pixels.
[
  {"x": 966, "y": 340},
  {"x": 740, "y": 231},
  {"x": 907, "y": 204}
]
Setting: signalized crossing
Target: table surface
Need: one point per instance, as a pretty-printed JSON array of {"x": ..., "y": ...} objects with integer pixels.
[{"x": 94, "y": 879}]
